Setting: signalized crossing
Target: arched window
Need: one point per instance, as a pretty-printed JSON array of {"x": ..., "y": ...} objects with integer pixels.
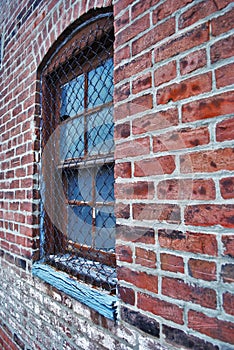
[{"x": 77, "y": 176}]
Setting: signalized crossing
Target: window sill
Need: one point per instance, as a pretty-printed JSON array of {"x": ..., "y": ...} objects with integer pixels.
[{"x": 100, "y": 301}]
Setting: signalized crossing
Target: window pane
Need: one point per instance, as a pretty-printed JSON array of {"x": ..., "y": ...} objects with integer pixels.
[
  {"x": 105, "y": 228},
  {"x": 100, "y": 84},
  {"x": 105, "y": 184},
  {"x": 72, "y": 97},
  {"x": 80, "y": 224},
  {"x": 100, "y": 132},
  {"x": 72, "y": 139},
  {"x": 79, "y": 185}
]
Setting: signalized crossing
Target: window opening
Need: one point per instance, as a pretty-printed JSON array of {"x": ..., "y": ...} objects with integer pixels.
[{"x": 77, "y": 177}]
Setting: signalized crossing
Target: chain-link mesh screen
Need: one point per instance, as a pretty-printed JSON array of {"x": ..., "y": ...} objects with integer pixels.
[{"x": 77, "y": 177}]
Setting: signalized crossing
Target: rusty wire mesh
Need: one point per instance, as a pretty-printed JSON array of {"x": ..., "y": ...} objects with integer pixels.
[{"x": 77, "y": 168}]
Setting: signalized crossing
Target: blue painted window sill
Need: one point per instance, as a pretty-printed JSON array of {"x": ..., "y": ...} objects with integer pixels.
[{"x": 100, "y": 301}]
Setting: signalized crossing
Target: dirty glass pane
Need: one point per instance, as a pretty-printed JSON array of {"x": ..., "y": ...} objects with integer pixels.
[
  {"x": 79, "y": 185},
  {"x": 72, "y": 138},
  {"x": 80, "y": 224},
  {"x": 72, "y": 97},
  {"x": 105, "y": 184},
  {"x": 105, "y": 228},
  {"x": 100, "y": 84},
  {"x": 100, "y": 132}
]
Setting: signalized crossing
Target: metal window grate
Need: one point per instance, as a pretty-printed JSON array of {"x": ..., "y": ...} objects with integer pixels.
[{"x": 77, "y": 176}]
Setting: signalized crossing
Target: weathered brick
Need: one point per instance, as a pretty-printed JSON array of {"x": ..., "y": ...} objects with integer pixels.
[
  {"x": 227, "y": 187},
  {"x": 187, "y": 88},
  {"x": 222, "y": 23},
  {"x": 228, "y": 303},
  {"x": 127, "y": 295},
  {"x": 136, "y": 234},
  {"x": 181, "y": 138},
  {"x": 161, "y": 308},
  {"x": 202, "y": 269},
  {"x": 152, "y": 37},
  {"x": 167, "y": 8},
  {"x": 160, "y": 212},
  {"x": 165, "y": 73},
  {"x": 155, "y": 166},
  {"x": 213, "y": 327},
  {"x": 200, "y": 189},
  {"x": 136, "y": 190},
  {"x": 141, "y": 7},
  {"x": 145, "y": 257},
  {"x": 178, "y": 337},
  {"x": 225, "y": 130},
  {"x": 210, "y": 215},
  {"x": 139, "y": 279},
  {"x": 208, "y": 161},
  {"x": 123, "y": 170},
  {"x": 225, "y": 75},
  {"x": 222, "y": 49},
  {"x": 155, "y": 121},
  {"x": 133, "y": 148},
  {"x": 228, "y": 245},
  {"x": 202, "y": 243},
  {"x": 142, "y": 83},
  {"x": 143, "y": 322},
  {"x": 124, "y": 253},
  {"x": 227, "y": 273},
  {"x": 193, "y": 61},
  {"x": 196, "y": 12},
  {"x": 172, "y": 263},
  {"x": 182, "y": 43},
  {"x": 178, "y": 289}
]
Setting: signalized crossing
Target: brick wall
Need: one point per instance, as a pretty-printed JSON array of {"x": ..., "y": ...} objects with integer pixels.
[{"x": 174, "y": 178}]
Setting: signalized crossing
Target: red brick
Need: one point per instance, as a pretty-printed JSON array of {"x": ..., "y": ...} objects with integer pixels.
[
  {"x": 155, "y": 166},
  {"x": 160, "y": 308},
  {"x": 194, "y": 242},
  {"x": 208, "y": 161},
  {"x": 186, "y": 88},
  {"x": 193, "y": 61},
  {"x": 122, "y": 92},
  {"x": 121, "y": 54},
  {"x": 135, "y": 190},
  {"x": 179, "y": 189},
  {"x": 122, "y": 210},
  {"x": 123, "y": 170},
  {"x": 227, "y": 273},
  {"x": 160, "y": 212},
  {"x": 132, "y": 30},
  {"x": 182, "y": 43},
  {"x": 225, "y": 75},
  {"x": 179, "y": 139},
  {"x": 213, "y": 327},
  {"x": 139, "y": 279},
  {"x": 210, "y": 215},
  {"x": 122, "y": 131},
  {"x": 197, "y": 12},
  {"x": 222, "y": 3},
  {"x": 140, "y": 7},
  {"x": 137, "y": 105},
  {"x": 133, "y": 148},
  {"x": 222, "y": 49},
  {"x": 202, "y": 269},
  {"x": 155, "y": 121},
  {"x": 225, "y": 130},
  {"x": 152, "y": 37},
  {"x": 133, "y": 67},
  {"x": 145, "y": 257},
  {"x": 228, "y": 245},
  {"x": 142, "y": 83},
  {"x": 227, "y": 187},
  {"x": 168, "y": 8},
  {"x": 127, "y": 295},
  {"x": 124, "y": 253},
  {"x": 228, "y": 303},
  {"x": 172, "y": 263},
  {"x": 222, "y": 23},
  {"x": 165, "y": 73},
  {"x": 121, "y": 22},
  {"x": 178, "y": 289},
  {"x": 138, "y": 234},
  {"x": 121, "y": 5}
]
